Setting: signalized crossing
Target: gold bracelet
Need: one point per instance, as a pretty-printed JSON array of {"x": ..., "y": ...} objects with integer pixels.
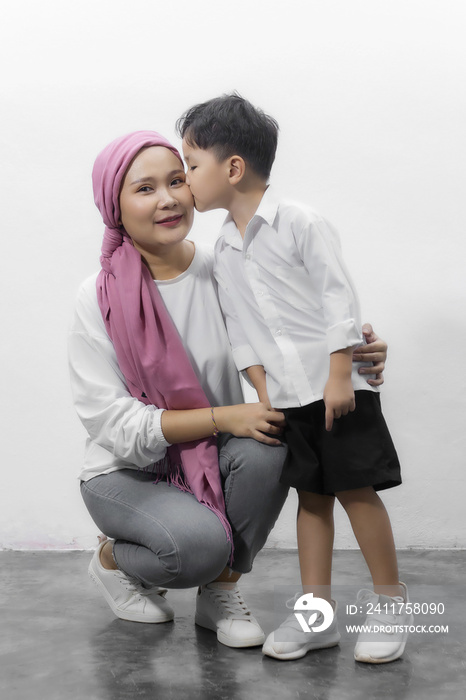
[{"x": 216, "y": 430}]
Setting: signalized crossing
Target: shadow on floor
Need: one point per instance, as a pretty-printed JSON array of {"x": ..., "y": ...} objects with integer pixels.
[{"x": 60, "y": 640}]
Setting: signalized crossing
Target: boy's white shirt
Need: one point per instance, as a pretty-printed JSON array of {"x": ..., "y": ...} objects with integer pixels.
[
  {"x": 287, "y": 299},
  {"x": 124, "y": 432}
]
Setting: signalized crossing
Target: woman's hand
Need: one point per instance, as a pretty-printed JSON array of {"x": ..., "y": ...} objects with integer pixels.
[
  {"x": 375, "y": 351},
  {"x": 251, "y": 420}
]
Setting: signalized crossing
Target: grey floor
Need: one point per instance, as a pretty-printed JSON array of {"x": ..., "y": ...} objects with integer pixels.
[{"x": 60, "y": 640}]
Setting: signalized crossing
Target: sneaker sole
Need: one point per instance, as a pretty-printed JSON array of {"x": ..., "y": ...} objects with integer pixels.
[
  {"x": 225, "y": 639},
  {"x": 368, "y": 659},
  {"x": 131, "y": 617},
  {"x": 299, "y": 653}
]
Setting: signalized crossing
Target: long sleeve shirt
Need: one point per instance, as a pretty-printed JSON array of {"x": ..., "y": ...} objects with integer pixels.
[
  {"x": 287, "y": 299},
  {"x": 122, "y": 431}
]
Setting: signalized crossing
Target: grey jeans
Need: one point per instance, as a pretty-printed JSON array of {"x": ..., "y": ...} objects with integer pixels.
[{"x": 164, "y": 537}]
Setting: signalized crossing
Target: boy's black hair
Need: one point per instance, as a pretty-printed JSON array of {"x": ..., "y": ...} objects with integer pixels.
[{"x": 230, "y": 125}]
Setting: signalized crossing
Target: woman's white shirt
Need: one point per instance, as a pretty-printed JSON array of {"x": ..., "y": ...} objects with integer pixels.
[{"x": 122, "y": 431}]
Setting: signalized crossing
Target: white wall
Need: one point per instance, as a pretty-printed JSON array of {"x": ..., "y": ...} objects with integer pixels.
[{"x": 371, "y": 102}]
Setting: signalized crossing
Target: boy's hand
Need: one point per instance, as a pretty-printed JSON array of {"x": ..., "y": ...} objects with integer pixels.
[
  {"x": 339, "y": 400},
  {"x": 375, "y": 351}
]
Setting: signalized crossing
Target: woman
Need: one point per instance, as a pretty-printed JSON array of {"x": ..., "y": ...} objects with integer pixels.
[{"x": 154, "y": 384}]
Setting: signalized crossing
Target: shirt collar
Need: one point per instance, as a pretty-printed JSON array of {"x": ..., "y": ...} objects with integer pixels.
[
  {"x": 268, "y": 206},
  {"x": 230, "y": 233},
  {"x": 267, "y": 210}
]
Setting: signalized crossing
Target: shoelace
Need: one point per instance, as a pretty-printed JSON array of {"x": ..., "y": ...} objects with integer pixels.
[
  {"x": 134, "y": 586},
  {"x": 232, "y": 602}
]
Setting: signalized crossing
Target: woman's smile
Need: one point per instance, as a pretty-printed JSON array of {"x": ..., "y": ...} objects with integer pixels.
[{"x": 170, "y": 221}]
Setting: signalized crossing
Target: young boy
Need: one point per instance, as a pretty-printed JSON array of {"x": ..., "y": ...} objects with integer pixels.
[{"x": 292, "y": 315}]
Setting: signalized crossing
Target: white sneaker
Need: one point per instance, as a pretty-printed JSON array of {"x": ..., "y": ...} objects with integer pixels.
[
  {"x": 290, "y": 641},
  {"x": 387, "y": 632},
  {"x": 225, "y": 612},
  {"x": 128, "y": 598}
]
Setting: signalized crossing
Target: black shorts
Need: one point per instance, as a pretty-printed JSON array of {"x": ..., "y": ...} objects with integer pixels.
[{"x": 356, "y": 453}]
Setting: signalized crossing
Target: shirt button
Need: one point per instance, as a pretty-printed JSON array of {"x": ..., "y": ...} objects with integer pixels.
[
  {"x": 278, "y": 332},
  {"x": 248, "y": 256}
]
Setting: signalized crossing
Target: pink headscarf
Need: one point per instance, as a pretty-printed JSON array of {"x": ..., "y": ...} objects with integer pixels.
[{"x": 147, "y": 345}]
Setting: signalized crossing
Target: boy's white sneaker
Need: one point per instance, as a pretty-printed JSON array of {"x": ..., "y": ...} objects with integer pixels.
[
  {"x": 290, "y": 641},
  {"x": 224, "y": 611},
  {"x": 387, "y": 627},
  {"x": 128, "y": 599}
]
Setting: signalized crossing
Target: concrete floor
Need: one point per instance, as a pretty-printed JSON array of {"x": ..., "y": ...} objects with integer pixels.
[{"x": 60, "y": 640}]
